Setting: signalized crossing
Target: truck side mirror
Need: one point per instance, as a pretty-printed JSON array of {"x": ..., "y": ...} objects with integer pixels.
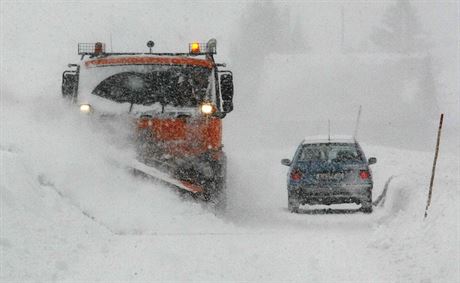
[
  {"x": 69, "y": 84},
  {"x": 226, "y": 90}
]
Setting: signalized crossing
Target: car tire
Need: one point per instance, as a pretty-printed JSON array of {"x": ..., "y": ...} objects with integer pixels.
[
  {"x": 293, "y": 203},
  {"x": 366, "y": 207},
  {"x": 366, "y": 204},
  {"x": 293, "y": 209}
]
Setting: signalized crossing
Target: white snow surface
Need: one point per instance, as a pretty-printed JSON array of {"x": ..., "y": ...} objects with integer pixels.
[{"x": 70, "y": 211}]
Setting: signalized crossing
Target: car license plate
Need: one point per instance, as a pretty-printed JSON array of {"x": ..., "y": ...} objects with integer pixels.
[{"x": 330, "y": 176}]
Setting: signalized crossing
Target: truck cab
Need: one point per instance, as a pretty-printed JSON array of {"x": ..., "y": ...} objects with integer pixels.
[{"x": 178, "y": 101}]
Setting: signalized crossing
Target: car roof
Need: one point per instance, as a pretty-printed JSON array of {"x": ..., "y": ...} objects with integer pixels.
[{"x": 332, "y": 139}]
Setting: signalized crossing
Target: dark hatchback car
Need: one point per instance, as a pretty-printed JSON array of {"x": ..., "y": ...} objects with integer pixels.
[{"x": 329, "y": 171}]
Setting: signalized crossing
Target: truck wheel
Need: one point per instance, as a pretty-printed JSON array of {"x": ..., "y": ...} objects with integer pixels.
[
  {"x": 217, "y": 194},
  {"x": 219, "y": 185}
]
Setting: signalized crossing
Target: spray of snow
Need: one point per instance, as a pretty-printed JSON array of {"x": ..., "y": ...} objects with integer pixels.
[{"x": 70, "y": 210}]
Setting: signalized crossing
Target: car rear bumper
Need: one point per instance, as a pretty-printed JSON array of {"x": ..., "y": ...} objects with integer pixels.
[{"x": 345, "y": 194}]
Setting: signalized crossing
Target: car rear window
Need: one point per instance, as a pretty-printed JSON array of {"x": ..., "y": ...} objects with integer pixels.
[{"x": 331, "y": 152}]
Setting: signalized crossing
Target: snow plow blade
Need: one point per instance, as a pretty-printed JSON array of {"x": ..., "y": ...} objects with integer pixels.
[{"x": 164, "y": 178}]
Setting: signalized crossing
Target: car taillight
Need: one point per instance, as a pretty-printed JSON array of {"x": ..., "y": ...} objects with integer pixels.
[
  {"x": 364, "y": 174},
  {"x": 296, "y": 175}
]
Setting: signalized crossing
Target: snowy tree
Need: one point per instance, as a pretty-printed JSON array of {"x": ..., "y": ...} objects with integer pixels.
[
  {"x": 427, "y": 85},
  {"x": 265, "y": 29},
  {"x": 401, "y": 31},
  {"x": 260, "y": 28},
  {"x": 296, "y": 41},
  {"x": 268, "y": 29}
]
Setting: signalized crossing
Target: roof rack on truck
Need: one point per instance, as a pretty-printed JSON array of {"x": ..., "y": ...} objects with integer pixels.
[{"x": 195, "y": 49}]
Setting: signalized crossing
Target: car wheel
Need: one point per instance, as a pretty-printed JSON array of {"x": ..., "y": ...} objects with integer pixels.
[
  {"x": 366, "y": 204},
  {"x": 366, "y": 207},
  {"x": 293, "y": 209},
  {"x": 293, "y": 203}
]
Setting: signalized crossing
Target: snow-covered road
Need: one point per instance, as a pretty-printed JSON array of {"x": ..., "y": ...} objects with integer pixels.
[{"x": 70, "y": 213}]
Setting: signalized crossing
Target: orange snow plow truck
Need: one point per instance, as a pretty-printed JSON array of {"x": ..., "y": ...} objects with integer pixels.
[{"x": 177, "y": 100}]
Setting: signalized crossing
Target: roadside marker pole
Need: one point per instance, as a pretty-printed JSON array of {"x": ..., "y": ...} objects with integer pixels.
[
  {"x": 355, "y": 134},
  {"x": 434, "y": 165}
]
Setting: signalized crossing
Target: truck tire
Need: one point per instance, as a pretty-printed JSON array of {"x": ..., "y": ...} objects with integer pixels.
[{"x": 218, "y": 198}]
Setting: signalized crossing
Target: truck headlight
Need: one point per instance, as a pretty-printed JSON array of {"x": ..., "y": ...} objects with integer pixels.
[
  {"x": 85, "y": 108},
  {"x": 207, "y": 108}
]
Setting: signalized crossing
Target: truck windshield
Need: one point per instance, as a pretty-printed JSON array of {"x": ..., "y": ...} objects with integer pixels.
[
  {"x": 170, "y": 85},
  {"x": 331, "y": 152}
]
